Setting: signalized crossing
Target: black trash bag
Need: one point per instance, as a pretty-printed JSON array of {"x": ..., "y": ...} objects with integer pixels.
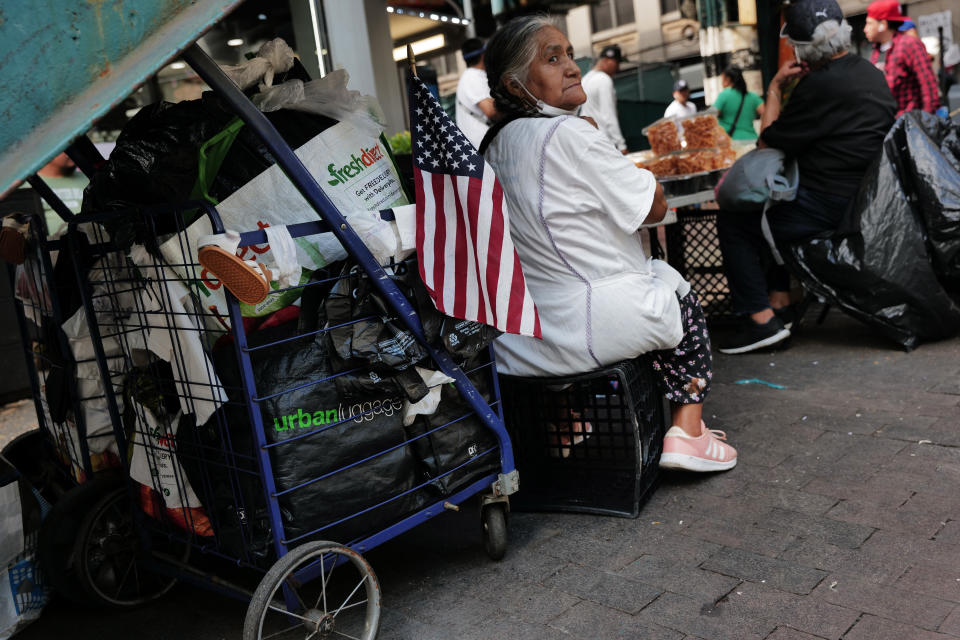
[
  {"x": 155, "y": 157},
  {"x": 382, "y": 343},
  {"x": 375, "y": 341},
  {"x": 314, "y": 296},
  {"x": 155, "y": 161},
  {"x": 465, "y": 339},
  {"x": 460, "y": 453},
  {"x": 406, "y": 383},
  {"x": 249, "y": 156},
  {"x": 926, "y": 150},
  {"x": 877, "y": 267},
  {"x": 385, "y": 354}
]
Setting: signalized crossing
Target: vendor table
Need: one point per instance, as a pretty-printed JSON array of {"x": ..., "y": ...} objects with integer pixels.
[
  {"x": 700, "y": 197},
  {"x": 693, "y": 249}
]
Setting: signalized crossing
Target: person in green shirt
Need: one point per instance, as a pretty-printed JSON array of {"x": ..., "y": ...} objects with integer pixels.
[{"x": 728, "y": 105}]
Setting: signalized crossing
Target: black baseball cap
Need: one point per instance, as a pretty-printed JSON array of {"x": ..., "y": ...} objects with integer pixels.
[
  {"x": 612, "y": 51},
  {"x": 803, "y": 16},
  {"x": 681, "y": 85}
]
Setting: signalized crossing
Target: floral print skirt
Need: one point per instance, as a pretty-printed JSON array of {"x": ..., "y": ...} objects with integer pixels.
[{"x": 684, "y": 373}]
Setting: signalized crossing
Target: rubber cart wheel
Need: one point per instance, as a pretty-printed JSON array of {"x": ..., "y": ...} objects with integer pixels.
[
  {"x": 494, "y": 517},
  {"x": 332, "y": 592},
  {"x": 110, "y": 554},
  {"x": 57, "y": 540}
]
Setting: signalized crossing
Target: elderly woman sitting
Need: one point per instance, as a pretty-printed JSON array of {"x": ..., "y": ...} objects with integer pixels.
[{"x": 575, "y": 207}]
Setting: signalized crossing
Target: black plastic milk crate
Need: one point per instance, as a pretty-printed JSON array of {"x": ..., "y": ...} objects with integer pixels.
[
  {"x": 693, "y": 249},
  {"x": 611, "y": 471}
]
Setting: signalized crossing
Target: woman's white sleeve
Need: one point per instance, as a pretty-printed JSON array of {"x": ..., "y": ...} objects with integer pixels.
[{"x": 623, "y": 191}]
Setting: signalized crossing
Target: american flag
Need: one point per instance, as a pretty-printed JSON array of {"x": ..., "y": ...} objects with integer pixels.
[{"x": 466, "y": 257}]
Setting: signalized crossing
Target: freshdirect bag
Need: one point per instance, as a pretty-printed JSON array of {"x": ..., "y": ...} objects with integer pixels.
[{"x": 355, "y": 171}]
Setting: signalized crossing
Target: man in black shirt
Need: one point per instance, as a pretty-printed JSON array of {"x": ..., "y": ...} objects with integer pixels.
[{"x": 833, "y": 124}]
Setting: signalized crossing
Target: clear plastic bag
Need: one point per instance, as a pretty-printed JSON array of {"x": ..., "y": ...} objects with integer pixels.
[
  {"x": 702, "y": 131},
  {"x": 664, "y": 136},
  {"x": 699, "y": 131},
  {"x": 274, "y": 57},
  {"x": 327, "y": 96}
]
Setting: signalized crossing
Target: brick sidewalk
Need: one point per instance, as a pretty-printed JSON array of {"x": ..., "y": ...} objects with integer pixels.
[{"x": 837, "y": 523}]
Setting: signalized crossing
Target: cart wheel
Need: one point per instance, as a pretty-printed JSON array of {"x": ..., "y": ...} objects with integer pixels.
[
  {"x": 315, "y": 592},
  {"x": 109, "y": 554},
  {"x": 57, "y": 539},
  {"x": 494, "y": 518}
]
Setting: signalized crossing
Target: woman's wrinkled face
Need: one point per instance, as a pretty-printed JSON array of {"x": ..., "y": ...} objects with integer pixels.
[{"x": 553, "y": 76}]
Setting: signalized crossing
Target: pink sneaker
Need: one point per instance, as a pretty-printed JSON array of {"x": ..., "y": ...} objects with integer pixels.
[{"x": 706, "y": 452}]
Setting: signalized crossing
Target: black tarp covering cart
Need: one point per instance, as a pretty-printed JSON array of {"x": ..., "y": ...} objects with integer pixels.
[{"x": 895, "y": 261}]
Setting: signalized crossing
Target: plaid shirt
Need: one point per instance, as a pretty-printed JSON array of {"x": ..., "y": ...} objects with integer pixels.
[{"x": 909, "y": 74}]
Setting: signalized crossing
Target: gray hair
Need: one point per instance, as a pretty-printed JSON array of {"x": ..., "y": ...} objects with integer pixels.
[
  {"x": 509, "y": 54},
  {"x": 829, "y": 39}
]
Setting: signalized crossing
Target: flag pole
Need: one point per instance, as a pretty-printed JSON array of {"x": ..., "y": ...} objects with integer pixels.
[{"x": 411, "y": 60}]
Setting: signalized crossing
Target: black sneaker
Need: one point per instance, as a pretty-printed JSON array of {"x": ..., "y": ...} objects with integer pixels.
[
  {"x": 787, "y": 315},
  {"x": 753, "y": 336}
]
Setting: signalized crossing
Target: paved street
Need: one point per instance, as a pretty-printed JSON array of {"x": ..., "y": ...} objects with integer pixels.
[{"x": 842, "y": 520}]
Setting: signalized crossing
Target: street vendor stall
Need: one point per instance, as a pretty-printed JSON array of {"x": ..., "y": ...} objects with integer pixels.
[{"x": 688, "y": 156}]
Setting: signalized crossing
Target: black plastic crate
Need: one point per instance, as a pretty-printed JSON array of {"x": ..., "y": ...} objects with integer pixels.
[
  {"x": 693, "y": 249},
  {"x": 615, "y": 469}
]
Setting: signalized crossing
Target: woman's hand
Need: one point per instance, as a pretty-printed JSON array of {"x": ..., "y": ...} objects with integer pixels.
[{"x": 659, "y": 207}]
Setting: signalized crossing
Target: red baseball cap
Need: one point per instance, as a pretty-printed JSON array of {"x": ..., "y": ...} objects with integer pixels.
[{"x": 885, "y": 10}]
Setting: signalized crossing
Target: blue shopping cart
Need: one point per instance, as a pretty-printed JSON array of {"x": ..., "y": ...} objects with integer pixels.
[{"x": 215, "y": 462}]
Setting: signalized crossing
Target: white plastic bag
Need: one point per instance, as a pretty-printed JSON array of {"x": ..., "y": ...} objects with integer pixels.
[
  {"x": 429, "y": 403},
  {"x": 166, "y": 311},
  {"x": 273, "y": 57},
  {"x": 327, "y": 96},
  {"x": 285, "y": 253}
]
